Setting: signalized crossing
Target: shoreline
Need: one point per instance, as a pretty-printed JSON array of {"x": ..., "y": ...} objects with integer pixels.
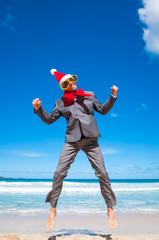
[{"x": 62, "y": 215}]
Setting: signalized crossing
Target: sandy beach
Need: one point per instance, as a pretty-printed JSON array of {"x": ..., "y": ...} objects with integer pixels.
[
  {"x": 81, "y": 213},
  {"x": 141, "y": 227},
  {"x": 77, "y": 237}
]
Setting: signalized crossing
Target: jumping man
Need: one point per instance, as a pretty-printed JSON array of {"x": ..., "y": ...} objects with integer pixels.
[{"x": 77, "y": 107}]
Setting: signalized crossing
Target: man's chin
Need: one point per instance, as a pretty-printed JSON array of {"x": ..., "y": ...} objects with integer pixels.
[{"x": 74, "y": 89}]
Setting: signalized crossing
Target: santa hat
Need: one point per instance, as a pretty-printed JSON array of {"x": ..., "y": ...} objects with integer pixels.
[{"x": 60, "y": 77}]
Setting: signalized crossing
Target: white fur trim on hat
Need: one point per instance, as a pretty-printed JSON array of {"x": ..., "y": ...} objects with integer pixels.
[
  {"x": 53, "y": 71},
  {"x": 67, "y": 76}
]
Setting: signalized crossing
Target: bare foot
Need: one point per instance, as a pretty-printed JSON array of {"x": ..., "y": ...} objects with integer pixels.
[
  {"x": 51, "y": 220},
  {"x": 112, "y": 220}
]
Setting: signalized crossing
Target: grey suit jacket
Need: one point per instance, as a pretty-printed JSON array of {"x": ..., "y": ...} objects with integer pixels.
[{"x": 79, "y": 115}]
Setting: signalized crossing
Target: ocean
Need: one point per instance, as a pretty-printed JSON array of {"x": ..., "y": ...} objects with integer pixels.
[{"x": 26, "y": 197}]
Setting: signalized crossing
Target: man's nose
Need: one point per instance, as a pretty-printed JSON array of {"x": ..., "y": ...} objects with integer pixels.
[{"x": 70, "y": 83}]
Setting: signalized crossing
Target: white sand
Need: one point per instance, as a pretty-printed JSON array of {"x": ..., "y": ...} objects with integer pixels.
[
  {"x": 78, "y": 237},
  {"x": 80, "y": 228}
]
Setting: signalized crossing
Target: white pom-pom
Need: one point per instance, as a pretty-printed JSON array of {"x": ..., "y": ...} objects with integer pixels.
[{"x": 53, "y": 71}]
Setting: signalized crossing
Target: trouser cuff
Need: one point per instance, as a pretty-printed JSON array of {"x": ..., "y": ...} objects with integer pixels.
[
  {"x": 111, "y": 204},
  {"x": 53, "y": 203}
]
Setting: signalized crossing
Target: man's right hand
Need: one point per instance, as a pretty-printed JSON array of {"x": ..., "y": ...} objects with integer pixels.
[{"x": 36, "y": 103}]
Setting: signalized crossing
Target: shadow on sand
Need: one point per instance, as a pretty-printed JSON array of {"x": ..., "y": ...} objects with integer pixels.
[{"x": 67, "y": 232}]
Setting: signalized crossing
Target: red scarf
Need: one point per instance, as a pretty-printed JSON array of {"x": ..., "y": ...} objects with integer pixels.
[{"x": 70, "y": 96}]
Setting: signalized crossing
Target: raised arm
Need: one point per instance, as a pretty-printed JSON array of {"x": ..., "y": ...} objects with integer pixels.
[
  {"x": 105, "y": 108},
  {"x": 47, "y": 118}
]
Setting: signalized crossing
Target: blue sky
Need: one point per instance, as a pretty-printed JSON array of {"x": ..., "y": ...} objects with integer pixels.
[{"x": 104, "y": 43}]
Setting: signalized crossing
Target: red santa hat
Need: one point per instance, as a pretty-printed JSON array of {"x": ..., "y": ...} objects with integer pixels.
[{"x": 60, "y": 77}]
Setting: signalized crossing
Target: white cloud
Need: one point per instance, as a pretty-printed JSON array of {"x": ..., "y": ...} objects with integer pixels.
[
  {"x": 29, "y": 154},
  {"x": 114, "y": 164},
  {"x": 143, "y": 106},
  {"x": 156, "y": 162},
  {"x": 9, "y": 21},
  {"x": 149, "y": 16},
  {"x": 134, "y": 167},
  {"x": 130, "y": 166},
  {"x": 107, "y": 150},
  {"x": 119, "y": 172},
  {"x": 113, "y": 115}
]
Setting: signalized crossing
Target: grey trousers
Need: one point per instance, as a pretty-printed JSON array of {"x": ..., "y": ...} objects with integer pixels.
[{"x": 91, "y": 148}]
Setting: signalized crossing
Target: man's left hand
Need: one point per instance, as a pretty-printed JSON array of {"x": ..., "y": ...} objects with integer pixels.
[{"x": 114, "y": 90}]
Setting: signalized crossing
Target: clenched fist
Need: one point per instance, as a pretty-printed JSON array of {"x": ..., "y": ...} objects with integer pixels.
[
  {"x": 114, "y": 90},
  {"x": 36, "y": 103}
]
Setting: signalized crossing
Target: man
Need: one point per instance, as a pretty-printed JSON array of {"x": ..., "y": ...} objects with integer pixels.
[{"x": 77, "y": 107}]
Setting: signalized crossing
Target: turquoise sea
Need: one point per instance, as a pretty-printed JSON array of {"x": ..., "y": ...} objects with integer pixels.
[{"x": 79, "y": 196}]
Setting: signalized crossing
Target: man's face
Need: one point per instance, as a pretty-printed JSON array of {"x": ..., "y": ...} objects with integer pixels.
[{"x": 72, "y": 87}]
